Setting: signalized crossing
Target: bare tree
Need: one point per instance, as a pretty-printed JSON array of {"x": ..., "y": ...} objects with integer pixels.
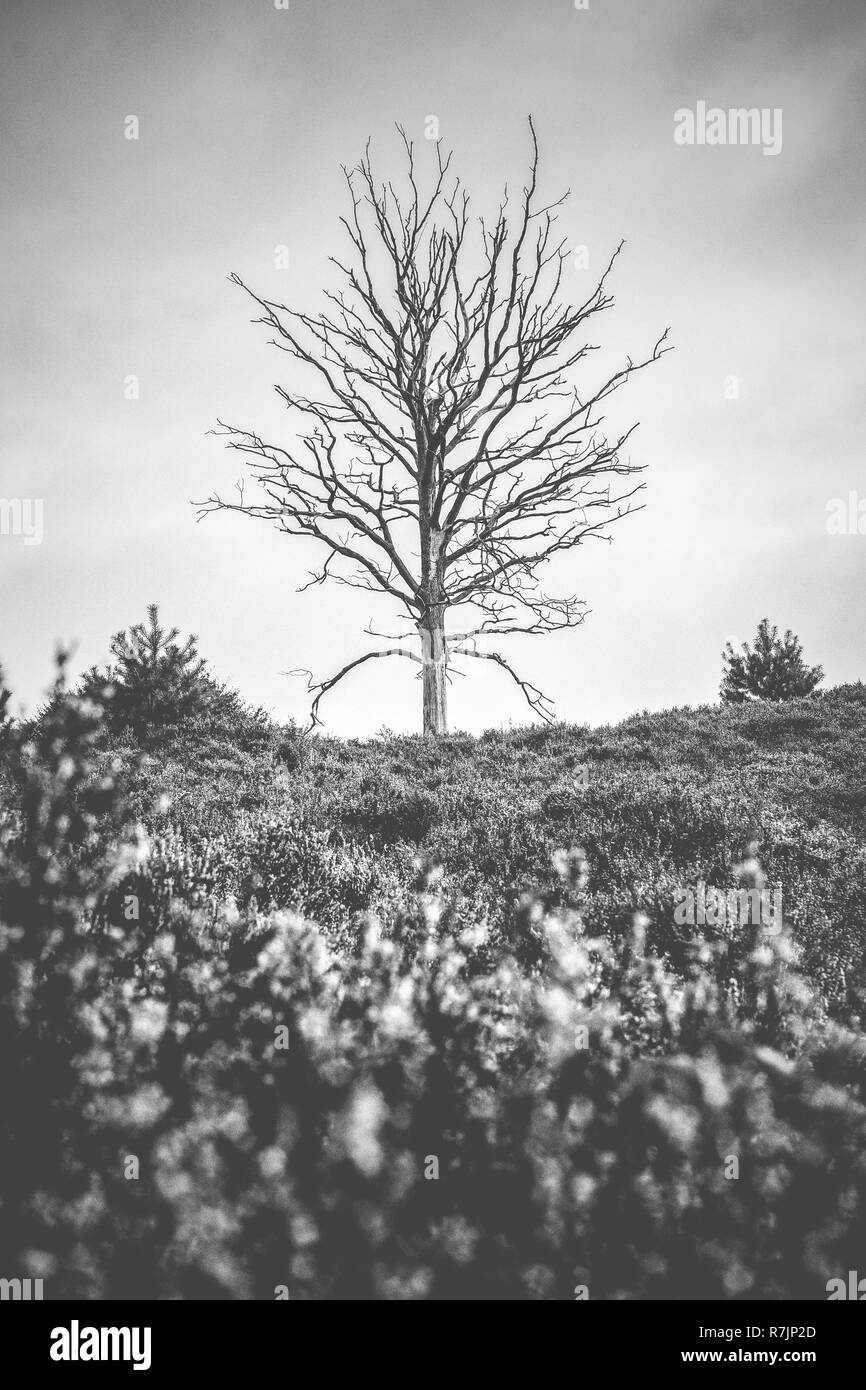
[{"x": 446, "y": 454}]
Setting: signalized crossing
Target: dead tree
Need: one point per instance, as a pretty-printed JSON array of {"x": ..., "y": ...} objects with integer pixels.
[{"x": 446, "y": 452}]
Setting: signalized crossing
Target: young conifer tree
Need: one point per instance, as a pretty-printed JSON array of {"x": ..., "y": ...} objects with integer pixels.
[
  {"x": 158, "y": 680},
  {"x": 772, "y": 669}
]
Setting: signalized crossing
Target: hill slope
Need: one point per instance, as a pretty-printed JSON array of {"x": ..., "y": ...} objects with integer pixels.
[
  {"x": 658, "y": 803},
  {"x": 360, "y": 1021}
]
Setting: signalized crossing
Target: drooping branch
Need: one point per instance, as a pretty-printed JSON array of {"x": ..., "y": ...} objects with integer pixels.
[
  {"x": 323, "y": 687},
  {"x": 540, "y": 703}
]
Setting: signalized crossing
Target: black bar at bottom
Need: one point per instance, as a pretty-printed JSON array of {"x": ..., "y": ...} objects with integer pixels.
[{"x": 157, "y": 1339}]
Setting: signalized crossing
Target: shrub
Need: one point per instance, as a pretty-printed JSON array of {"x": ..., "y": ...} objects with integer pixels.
[
  {"x": 158, "y": 680},
  {"x": 773, "y": 669},
  {"x": 221, "y": 1099}
]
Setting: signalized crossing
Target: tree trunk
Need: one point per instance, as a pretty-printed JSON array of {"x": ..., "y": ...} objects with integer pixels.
[
  {"x": 431, "y": 624},
  {"x": 434, "y": 653}
]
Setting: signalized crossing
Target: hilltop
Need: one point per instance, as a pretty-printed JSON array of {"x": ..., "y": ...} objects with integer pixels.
[{"x": 655, "y": 802}]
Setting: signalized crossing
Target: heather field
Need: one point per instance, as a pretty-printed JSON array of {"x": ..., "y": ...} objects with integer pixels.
[{"x": 414, "y": 1019}]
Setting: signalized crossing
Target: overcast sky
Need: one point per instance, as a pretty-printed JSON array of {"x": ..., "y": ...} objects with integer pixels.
[{"x": 115, "y": 254}]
